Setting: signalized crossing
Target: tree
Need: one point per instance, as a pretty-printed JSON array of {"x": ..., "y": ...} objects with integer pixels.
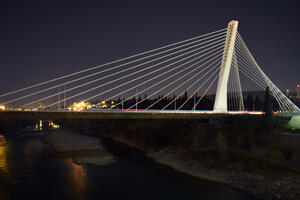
[
  {"x": 249, "y": 102},
  {"x": 268, "y": 109},
  {"x": 257, "y": 103},
  {"x": 185, "y": 96}
]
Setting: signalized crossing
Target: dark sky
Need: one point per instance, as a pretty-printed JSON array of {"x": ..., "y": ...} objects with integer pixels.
[{"x": 42, "y": 40}]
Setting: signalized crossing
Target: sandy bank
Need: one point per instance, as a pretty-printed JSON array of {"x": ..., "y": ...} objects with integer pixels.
[{"x": 83, "y": 149}]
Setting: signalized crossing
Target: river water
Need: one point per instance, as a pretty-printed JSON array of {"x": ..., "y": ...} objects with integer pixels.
[{"x": 30, "y": 169}]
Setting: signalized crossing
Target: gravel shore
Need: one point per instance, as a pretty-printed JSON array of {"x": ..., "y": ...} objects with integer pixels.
[
  {"x": 89, "y": 150},
  {"x": 83, "y": 149},
  {"x": 261, "y": 187}
]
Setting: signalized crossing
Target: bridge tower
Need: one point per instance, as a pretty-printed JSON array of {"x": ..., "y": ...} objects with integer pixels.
[{"x": 221, "y": 94}]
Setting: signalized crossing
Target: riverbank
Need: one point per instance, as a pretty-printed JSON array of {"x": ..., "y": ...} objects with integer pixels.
[
  {"x": 89, "y": 150},
  {"x": 266, "y": 181},
  {"x": 253, "y": 159},
  {"x": 83, "y": 149},
  {"x": 253, "y": 183},
  {"x": 29, "y": 161}
]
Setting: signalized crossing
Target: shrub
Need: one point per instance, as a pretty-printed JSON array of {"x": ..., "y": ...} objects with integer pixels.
[{"x": 275, "y": 155}]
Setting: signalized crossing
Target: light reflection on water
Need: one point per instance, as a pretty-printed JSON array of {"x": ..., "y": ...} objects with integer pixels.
[
  {"x": 45, "y": 124},
  {"x": 78, "y": 176},
  {"x": 3, "y": 155},
  {"x": 6, "y": 178},
  {"x": 30, "y": 169}
]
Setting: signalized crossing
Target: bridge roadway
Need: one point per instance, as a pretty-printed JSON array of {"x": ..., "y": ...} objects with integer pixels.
[{"x": 119, "y": 114}]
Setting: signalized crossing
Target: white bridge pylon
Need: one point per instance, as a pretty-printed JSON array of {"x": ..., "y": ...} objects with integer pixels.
[
  {"x": 238, "y": 58},
  {"x": 221, "y": 94}
]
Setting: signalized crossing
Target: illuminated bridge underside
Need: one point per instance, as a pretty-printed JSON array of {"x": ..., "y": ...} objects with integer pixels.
[{"x": 174, "y": 79}]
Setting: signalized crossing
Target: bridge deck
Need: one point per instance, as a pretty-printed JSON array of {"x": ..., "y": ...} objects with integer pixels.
[{"x": 120, "y": 114}]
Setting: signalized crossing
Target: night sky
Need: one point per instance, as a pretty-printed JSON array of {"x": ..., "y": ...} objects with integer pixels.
[{"x": 41, "y": 40}]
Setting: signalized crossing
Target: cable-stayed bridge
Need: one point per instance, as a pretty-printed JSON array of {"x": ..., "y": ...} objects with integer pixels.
[{"x": 204, "y": 74}]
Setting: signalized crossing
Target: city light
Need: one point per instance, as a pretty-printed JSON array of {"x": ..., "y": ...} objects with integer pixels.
[
  {"x": 41, "y": 106},
  {"x": 80, "y": 106},
  {"x": 53, "y": 125},
  {"x": 2, "y": 107}
]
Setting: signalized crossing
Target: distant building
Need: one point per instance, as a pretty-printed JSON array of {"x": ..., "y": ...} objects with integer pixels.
[
  {"x": 287, "y": 92},
  {"x": 298, "y": 92}
]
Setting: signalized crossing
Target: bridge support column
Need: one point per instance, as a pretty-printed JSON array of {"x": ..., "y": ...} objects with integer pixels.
[{"x": 221, "y": 94}]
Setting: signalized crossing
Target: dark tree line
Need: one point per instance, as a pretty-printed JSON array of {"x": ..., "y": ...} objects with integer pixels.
[
  {"x": 256, "y": 104},
  {"x": 169, "y": 102},
  {"x": 205, "y": 103},
  {"x": 253, "y": 104}
]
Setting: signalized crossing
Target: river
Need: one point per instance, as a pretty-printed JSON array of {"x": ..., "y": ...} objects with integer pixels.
[{"x": 30, "y": 169}]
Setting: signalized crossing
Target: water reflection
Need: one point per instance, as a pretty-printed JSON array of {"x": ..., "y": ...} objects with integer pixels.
[
  {"x": 45, "y": 124},
  {"x": 3, "y": 155},
  {"x": 6, "y": 178},
  {"x": 31, "y": 150},
  {"x": 78, "y": 176},
  {"x": 34, "y": 171}
]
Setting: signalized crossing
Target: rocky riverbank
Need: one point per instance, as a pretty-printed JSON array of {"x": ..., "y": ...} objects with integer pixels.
[
  {"x": 254, "y": 159},
  {"x": 83, "y": 149},
  {"x": 89, "y": 150},
  {"x": 267, "y": 181},
  {"x": 261, "y": 187}
]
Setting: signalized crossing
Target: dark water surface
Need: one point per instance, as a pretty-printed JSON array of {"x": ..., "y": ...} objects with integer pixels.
[{"x": 30, "y": 169}]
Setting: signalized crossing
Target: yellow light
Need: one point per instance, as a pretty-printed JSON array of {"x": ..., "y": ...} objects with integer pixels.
[
  {"x": 3, "y": 155},
  {"x": 55, "y": 126},
  {"x": 80, "y": 106},
  {"x": 41, "y": 106},
  {"x": 2, "y": 107}
]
